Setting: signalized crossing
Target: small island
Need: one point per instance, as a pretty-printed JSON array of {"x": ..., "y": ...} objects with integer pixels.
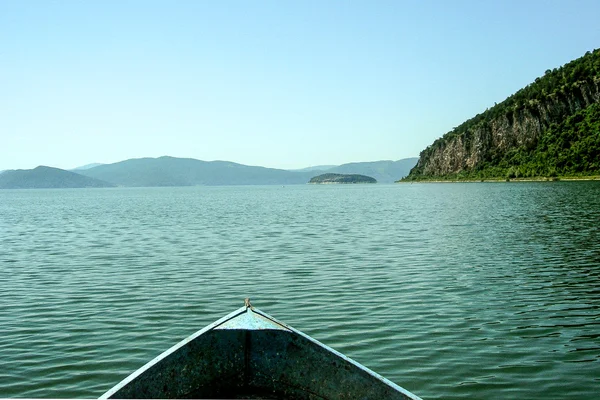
[{"x": 341, "y": 178}]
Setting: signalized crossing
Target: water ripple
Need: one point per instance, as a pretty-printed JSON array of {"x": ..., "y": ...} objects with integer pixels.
[{"x": 452, "y": 291}]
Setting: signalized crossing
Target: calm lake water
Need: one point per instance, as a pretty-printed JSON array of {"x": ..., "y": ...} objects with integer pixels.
[{"x": 480, "y": 290}]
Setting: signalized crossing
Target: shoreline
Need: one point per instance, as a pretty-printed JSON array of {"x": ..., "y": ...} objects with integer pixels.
[{"x": 507, "y": 180}]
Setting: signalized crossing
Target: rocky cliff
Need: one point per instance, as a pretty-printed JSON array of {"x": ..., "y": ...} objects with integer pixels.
[{"x": 517, "y": 123}]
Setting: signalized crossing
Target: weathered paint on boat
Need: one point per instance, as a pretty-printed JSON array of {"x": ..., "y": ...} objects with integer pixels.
[{"x": 249, "y": 354}]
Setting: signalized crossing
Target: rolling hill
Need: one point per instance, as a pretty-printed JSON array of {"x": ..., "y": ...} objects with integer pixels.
[
  {"x": 172, "y": 171},
  {"x": 46, "y": 178}
]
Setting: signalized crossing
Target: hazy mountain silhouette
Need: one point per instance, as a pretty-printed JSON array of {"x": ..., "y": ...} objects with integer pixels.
[
  {"x": 171, "y": 171},
  {"x": 314, "y": 168},
  {"x": 87, "y": 166},
  {"x": 45, "y": 178}
]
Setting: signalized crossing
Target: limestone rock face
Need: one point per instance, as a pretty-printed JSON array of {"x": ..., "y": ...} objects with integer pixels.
[{"x": 490, "y": 138}]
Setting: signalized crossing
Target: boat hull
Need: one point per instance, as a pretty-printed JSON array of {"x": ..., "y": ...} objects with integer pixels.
[{"x": 266, "y": 359}]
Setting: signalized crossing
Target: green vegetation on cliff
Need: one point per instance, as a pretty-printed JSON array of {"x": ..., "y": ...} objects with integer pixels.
[
  {"x": 571, "y": 148},
  {"x": 549, "y": 128},
  {"x": 342, "y": 178}
]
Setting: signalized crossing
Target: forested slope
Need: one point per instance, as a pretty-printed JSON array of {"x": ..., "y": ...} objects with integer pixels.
[{"x": 549, "y": 128}]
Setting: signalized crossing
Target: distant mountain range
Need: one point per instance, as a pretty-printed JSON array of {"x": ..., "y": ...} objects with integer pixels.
[
  {"x": 315, "y": 168},
  {"x": 46, "y": 178},
  {"x": 87, "y": 166},
  {"x": 171, "y": 171}
]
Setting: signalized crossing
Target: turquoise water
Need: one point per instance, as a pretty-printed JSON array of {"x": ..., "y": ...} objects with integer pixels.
[{"x": 481, "y": 290}]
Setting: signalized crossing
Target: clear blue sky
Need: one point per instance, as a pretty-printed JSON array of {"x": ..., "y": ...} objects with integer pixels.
[{"x": 283, "y": 84}]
